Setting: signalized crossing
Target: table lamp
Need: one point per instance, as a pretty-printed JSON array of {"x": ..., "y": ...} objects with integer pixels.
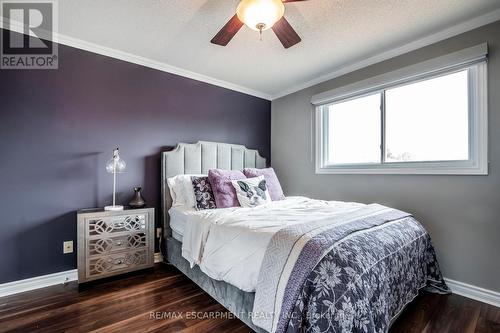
[{"x": 115, "y": 165}]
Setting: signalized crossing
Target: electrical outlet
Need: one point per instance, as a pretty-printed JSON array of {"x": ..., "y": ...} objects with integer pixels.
[
  {"x": 68, "y": 247},
  {"x": 158, "y": 232}
]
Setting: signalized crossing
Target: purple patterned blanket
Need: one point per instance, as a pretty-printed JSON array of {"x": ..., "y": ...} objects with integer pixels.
[{"x": 351, "y": 273}]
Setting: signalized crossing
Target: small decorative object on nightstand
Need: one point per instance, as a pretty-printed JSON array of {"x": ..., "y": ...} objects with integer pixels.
[
  {"x": 137, "y": 200},
  {"x": 114, "y": 242}
]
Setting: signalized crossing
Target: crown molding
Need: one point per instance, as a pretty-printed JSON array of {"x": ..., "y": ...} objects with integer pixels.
[
  {"x": 143, "y": 61},
  {"x": 455, "y": 30},
  {"x": 138, "y": 60}
]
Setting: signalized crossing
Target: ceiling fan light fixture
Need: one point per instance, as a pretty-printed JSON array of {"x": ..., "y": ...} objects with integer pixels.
[{"x": 260, "y": 15}]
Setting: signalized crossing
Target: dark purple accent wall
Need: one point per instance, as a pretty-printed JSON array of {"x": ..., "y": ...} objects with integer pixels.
[{"x": 58, "y": 129}]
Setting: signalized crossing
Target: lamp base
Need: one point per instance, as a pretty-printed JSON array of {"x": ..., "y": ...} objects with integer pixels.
[{"x": 113, "y": 208}]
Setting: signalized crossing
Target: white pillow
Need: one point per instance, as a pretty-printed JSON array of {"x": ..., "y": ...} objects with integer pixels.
[
  {"x": 181, "y": 190},
  {"x": 251, "y": 192}
]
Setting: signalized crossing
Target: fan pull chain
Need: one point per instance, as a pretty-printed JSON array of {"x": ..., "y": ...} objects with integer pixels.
[{"x": 260, "y": 26}]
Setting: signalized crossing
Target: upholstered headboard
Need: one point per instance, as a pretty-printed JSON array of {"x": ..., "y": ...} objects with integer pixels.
[{"x": 196, "y": 158}]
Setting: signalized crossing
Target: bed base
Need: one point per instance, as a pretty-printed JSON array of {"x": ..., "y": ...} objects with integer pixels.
[{"x": 237, "y": 301}]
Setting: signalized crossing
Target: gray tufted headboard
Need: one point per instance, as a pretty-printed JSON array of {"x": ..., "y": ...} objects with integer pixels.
[{"x": 196, "y": 158}]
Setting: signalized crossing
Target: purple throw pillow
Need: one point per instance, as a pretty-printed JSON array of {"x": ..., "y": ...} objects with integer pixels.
[
  {"x": 224, "y": 192},
  {"x": 272, "y": 182}
]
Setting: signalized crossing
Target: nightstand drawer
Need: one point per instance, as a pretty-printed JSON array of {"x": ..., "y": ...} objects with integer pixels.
[
  {"x": 99, "y": 226},
  {"x": 111, "y": 264},
  {"x": 109, "y": 245}
]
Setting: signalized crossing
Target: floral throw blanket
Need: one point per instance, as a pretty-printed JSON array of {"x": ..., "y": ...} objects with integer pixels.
[{"x": 350, "y": 273}]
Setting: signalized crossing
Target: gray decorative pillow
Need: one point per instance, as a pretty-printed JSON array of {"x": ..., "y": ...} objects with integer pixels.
[
  {"x": 203, "y": 193},
  {"x": 252, "y": 192}
]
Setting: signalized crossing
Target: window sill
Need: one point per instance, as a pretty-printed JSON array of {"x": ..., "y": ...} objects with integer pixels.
[{"x": 386, "y": 169}]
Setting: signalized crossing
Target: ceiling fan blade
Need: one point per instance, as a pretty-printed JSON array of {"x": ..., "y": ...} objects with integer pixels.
[
  {"x": 287, "y": 36},
  {"x": 292, "y": 0},
  {"x": 228, "y": 31}
]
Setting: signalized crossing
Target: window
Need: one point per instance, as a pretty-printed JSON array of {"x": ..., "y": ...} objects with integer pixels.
[
  {"x": 434, "y": 123},
  {"x": 354, "y": 131},
  {"x": 428, "y": 120}
]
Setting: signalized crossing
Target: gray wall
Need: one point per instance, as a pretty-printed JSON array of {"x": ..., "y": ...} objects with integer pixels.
[
  {"x": 462, "y": 213},
  {"x": 58, "y": 129}
]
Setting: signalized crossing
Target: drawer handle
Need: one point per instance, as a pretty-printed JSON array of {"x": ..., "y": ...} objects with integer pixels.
[
  {"x": 119, "y": 262},
  {"x": 119, "y": 243}
]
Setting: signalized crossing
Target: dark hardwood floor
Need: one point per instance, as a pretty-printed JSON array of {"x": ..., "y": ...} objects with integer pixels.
[{"x": 164, "y": 300}]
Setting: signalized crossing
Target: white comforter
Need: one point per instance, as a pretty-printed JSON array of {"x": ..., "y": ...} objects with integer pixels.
[{"x": 229, "y": 244}]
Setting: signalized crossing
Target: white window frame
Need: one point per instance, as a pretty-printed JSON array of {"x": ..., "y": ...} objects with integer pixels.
[{"x": 477, "y": 164}]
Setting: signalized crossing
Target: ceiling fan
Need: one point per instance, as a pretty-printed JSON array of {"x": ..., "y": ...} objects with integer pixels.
[{"x": 259, "y": 15}]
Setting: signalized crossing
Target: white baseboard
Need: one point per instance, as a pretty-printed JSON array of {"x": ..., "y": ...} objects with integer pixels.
[
  {"x": 37, "y": 282},
  {"x": 463, "y": 289},
  {"x": 158, "y": 257},
  {"x": 477, "y": 293},
  {"x": 20, "y": 286}
]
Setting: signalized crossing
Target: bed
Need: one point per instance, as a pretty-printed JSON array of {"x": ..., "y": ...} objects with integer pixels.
[
  {"x": 329, "y": 266},
  {"x": 195, "y": 159}
]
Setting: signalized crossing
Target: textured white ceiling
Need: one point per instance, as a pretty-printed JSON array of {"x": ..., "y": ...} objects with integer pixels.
[{"x": 334, "y": 33}]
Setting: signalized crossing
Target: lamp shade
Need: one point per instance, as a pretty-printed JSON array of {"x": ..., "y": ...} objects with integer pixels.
[
  {"x": 260, "y": 14},
  {"x": 116, "y": 164}
]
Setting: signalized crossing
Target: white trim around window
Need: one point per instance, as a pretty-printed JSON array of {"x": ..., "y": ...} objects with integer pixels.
[{"x": 477, "y": 163}]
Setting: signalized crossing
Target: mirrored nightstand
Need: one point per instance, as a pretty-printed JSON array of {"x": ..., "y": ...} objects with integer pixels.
[{"x": 114, "y": 242}]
